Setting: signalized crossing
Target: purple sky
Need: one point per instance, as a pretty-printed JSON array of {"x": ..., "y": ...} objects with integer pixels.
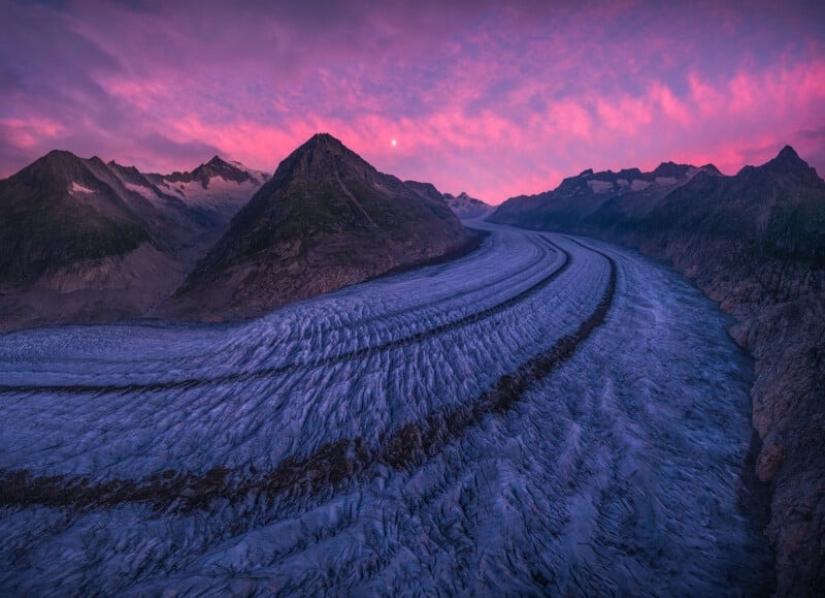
[{"x": 493, "y": 98}]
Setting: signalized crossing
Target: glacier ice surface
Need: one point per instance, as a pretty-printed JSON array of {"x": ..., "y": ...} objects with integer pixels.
[{"x": 620, "y": 472}]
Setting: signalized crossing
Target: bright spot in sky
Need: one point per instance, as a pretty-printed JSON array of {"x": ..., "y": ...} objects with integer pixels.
[{"x": 392, "y": 142}]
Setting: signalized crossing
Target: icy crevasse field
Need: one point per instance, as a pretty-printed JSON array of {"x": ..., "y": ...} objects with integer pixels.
[{"x": 546, "y": 416}]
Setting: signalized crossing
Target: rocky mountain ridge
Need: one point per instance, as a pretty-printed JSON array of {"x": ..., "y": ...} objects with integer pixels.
[
  {"x": 466, "y": 207},
  {"x": 600, "y": 198},
  {"x": 753, "y": 242},
  {"x": 84, "y": 241},
  {"x": 326, "y": 219}
]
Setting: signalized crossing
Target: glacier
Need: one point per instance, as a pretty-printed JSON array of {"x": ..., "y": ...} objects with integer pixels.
[{"x": 548, "y": 415}]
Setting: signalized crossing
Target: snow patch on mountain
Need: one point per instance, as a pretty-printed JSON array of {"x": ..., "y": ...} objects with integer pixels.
[
  {"x": 600, "y": 186},
  {"x": 466, "y": 207},
  {"x": 261, "y": 175},
  {"x": 78, "y": 188},
  {"x": 143, "y": 190},
  {"x": 216, "y": 192}
]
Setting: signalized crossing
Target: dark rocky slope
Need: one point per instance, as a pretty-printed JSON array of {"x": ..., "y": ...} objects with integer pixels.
[
  {"x": 755, "y": 242},
  {"x": 325, "y": 220},
  {"x": 75, "y": 244},
  {"x": 83, "y": 241},
  {"x": 59, "y": 210}
]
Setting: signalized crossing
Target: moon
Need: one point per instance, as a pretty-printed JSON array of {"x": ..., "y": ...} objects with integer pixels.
[{"x": 393, "y": 143}]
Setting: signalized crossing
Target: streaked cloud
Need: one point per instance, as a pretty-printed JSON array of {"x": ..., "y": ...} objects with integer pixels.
[{"x": 499, "y": 99}]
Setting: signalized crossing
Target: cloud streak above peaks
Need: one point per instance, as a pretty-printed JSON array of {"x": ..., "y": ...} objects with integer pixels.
[{"x": 498, "y": 99}]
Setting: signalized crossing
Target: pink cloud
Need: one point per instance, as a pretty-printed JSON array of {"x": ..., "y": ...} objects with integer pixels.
[
  {"x": 29, "y": 132},
  {"x": 496, "y": 101},
  {"x": 671, "y": 106}
]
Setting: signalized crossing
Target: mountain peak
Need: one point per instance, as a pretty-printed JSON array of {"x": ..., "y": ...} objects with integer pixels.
[
  {"x": 59, "y": 157},
  {"x": 710, "y": 168},
  {"x": 321, "y": 156},
  {"x": 671, "y": 169},
  {"x": 788, "y": 157},
  {"x": 217, "y": 161},
  {"x": 57, "y": 163},
  {"x": 788, "y": 154},
  {"x": 324, "y": 138},
  {"x": 56, "y": 153},
  {"x": 788, "y": 161},
  {"x": 323, "y": 142},
  {"x": 218, "y": 167}
]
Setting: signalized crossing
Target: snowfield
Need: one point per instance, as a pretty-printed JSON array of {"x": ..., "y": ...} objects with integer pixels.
[{"x": 548, "y": 415}]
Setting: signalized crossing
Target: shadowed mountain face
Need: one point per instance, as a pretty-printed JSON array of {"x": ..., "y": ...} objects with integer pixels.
[
  {"x": 756, "y": 243},
  {"x": 776, "y": 210},
  {"x": 593, "y": 201},
  {"x": 59, "y": 210},
  {"x": 85, "y": 241},
  {"x": 325, "y": 220}
]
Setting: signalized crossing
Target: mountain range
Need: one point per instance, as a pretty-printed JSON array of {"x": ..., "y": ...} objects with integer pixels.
[
  {"x": 88, "y": 241},
  {"x": 754, "y": 242}
]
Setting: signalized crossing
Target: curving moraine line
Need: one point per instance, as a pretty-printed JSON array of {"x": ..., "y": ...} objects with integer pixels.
[{"x": 332, "y": 464}]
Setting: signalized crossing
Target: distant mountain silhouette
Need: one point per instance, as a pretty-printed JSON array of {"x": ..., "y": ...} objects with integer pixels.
[
  {"x": 598, "y": 199},
  {"x": 755, "y": 242},
  {"x": 776, "y": 210},
  {"x": 467, "y": 207},
  {"x": 213, "y": 191},
  {"x": 325, "y": 220},
  {"x": 217, "y": 167}
]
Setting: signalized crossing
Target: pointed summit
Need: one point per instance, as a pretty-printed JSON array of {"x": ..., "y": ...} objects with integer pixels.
[
  {"x": 56, "y": 162},
  {"x": 788, "y": 162},
  {"x": 788, "y": 154},
  {"x": 218, "y": 167},
  {"x": 321, "y": 156},
  {"x": 320, "y": 144},
  {"x": 324, "y": 141},
  {"x": 217, "y": 161},
  {"x": 57, "y": 154}
]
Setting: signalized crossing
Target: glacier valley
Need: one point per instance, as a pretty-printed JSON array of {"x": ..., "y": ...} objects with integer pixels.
[{"x": 548, "y": 415}]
